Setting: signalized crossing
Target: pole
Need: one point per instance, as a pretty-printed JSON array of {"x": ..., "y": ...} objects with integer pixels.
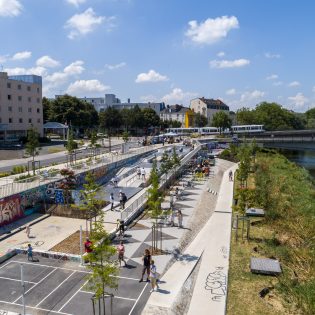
[
  {"x": 81, "y": 247},
  {"x": 23, "y": 289}
]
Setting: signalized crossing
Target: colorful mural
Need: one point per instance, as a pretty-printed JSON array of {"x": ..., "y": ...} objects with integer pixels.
[{"x": 10, "y": 209}]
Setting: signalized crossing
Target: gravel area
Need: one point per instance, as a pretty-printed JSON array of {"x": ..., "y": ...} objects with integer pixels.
[{"x": 71, "y": 244}]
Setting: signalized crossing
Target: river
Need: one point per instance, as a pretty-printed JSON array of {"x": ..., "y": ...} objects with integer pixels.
[{"x": 305, "y": 159}]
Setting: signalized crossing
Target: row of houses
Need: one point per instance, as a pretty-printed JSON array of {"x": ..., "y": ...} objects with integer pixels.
[{"x": 21, "y": 106}]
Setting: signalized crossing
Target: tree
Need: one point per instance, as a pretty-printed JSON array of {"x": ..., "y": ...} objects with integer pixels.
[
  {"x": 126, "y": 118},
  {"x": 136, "y": 118},
  {"x": 68, "y": 183},
  {"x": 47, "y": 105},
  {"x": 244, "y": 156},
  {"x": 221, "y": 120},
  {"x": 32, "y": 145},
  {"x": 200, "y": 120},
  {"x": 175, "y": 158},
  {"x": 166, "y": 163},
  {"x": 245, "y": 116},
  {"x": 103, "y": 268},
  {"x": 150, "y": 118},
  {"x": 76, "y": 112},
  {"x": 71, "y": 145},
  {"x": 109, "y": 120},
  {"x": 125, "y": 136}
]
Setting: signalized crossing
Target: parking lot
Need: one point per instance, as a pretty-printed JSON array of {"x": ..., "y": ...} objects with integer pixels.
[{"x": 58, "y": 287}]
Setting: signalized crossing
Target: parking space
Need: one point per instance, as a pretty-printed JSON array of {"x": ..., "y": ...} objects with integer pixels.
[{"x": 53, "y": 287}]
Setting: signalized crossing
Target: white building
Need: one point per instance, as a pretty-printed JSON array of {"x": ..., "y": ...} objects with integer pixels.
[
  {"x": 175, "y": 113},
  {"x": 20, "y": 105}
]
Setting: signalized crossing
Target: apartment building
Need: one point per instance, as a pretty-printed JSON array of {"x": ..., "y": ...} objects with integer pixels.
[
  {"x": 20, "y": 105},
  {"x": 177, "y": 113}
]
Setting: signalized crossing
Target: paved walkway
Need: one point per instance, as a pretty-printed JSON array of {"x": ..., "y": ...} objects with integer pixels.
[{"x": 211, "y": 245}]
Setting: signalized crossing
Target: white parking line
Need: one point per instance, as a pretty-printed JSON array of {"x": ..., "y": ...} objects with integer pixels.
[
  {"x": 17, "y": 280},
  {"x": 5, "y": 264},
  {"x": 74, "y": 295},
  {"x": 60, "y": 284},
  {"x": 36, "y": 308},
  {"x": 36, "y": 284},
  {"x": 138, "y": 299},
  {"x": 114, "y": 296}
]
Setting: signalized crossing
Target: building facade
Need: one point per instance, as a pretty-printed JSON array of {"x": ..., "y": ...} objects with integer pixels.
[
  {"x": 176, "y": 113},
  {"x": 208, "y": 107},
  {"x": 20, "y": 106}
]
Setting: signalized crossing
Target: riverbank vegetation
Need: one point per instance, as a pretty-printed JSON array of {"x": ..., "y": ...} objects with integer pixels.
[{"x": 286, "y": 192}]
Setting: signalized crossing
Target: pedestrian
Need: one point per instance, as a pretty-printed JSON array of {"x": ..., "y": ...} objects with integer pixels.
[
  {"x": 121, "y": 253},
  {"x": 139, "y": 172},
  {"x": 143, "y": 173},
  {"x": 153, "y": 276},
  {"x": 121, "y": 199},
  {"x": 116, "y": 181},
  {"x": 146, "y": 264},
  {"x": 121, "y": 227},
  {"x": 231, "y": 176},
  {"x": 180, "y": 218},
  {"x": 176, "y": 193},
  {"x": 171, "y": 201},
  {"x": 88, "y": 246},
  {"x": 28, "y": 231},
  {"x": 111, "y": 199},
  {"x": 172, "y": 217},
  {"x": 29, "y": 252},
  {"x": 124, "y": 200}
]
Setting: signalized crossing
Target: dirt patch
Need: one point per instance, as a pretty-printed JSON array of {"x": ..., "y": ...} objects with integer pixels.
[{"x": 71, "y": 244}]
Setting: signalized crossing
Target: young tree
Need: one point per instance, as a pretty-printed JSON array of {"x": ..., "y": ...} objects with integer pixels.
[
  {"x": 166, "y": 163},
  {"x": 200, "y": 120},
  {"x": 221, "y": 120},
  {"x": 68, "y": 183},
  {"x": 32, "y": 145},
  {"x": 125, "y": 136},
  {"x": 71, "y": 145}
]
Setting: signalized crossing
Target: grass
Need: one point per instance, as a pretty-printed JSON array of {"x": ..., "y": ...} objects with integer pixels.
[{"x": 55, "y": 150}]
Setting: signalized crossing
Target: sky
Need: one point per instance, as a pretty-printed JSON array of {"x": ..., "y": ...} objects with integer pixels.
[{"x": 240, "y": 51}]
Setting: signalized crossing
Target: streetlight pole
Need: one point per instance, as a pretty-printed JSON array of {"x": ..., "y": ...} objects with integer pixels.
[{"x": 23, "y": 289}]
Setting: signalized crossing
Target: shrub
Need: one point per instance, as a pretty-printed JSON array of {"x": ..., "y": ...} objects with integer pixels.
[
  {"x": 18, "y": 169},
  {"x": 4, "y": 174}
]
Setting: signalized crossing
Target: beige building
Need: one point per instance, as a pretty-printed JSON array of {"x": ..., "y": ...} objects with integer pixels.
[
  {"x": 208, "y": 107},
  {"x": 20, "y": 105},
  {"x": 175, "y": 113}
]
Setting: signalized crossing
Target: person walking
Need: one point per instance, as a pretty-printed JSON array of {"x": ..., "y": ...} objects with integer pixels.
[
  {"x": 139, "y": 172},
  {"x": 28, "y": 231},
  {"x": 143, "y": 173},
  {"x": 121, "y": 253},
  {"x": 121, "y": 228},
  {"x": 29, "y": 252},
  {"x": 111, "y": 199},
  {"x": 176, "y": 193},
  {"x": 116, "y": 181},
  {"x": 124, "y": 200},
  {"x": 121, "y": 198},
  {"x": 180, "y": 218},
  {"x": 153, "y": 276},
  {"x": 231, "y": 176},
  {"x": 146, "y": 264}
]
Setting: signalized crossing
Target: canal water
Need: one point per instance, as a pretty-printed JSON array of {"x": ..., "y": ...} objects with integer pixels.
[{"x": 305, "y": 159}]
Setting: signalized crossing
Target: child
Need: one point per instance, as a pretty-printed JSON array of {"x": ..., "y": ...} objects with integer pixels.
[
  {"x": 121, "y": 253},
  {"x": 29, "y": 252},
  {"x": 153, "y": 276}
]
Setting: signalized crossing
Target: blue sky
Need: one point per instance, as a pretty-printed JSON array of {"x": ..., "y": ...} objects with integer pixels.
[{"x": 240, "y": 51}]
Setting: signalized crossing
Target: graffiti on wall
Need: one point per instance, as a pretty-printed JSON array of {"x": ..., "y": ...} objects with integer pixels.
[
  {"x": 10, "y": 209},
  {"x": 216, "y": 283},
  {"x": 30, "y": 198}
]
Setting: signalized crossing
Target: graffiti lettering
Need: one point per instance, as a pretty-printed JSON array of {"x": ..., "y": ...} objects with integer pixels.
[{"x": 216, "y": 284}]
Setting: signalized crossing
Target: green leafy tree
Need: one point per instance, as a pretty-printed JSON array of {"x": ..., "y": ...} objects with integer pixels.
[
  {"x": 244, "y": 156},
  {"x": 136, "y": 118},
  {"x": 175, "y": 158},
  {"x": 221, "y": 120},
  {"x": 47, "y": 105},
  {"x": 200, "y": 120},
  {"x": 125, "y": 136},
  {"x": 32, "y": 145},
  {"x": 166, "y": 163},
  {"x": 67, "y": 184},
  {"x": 126, "y": 118},
  {"x": 71, "y": 145},
  {"x": 110, "y": 119},
  {"x": 150, "y": 118},
  {"x": 246, "y": 116}
]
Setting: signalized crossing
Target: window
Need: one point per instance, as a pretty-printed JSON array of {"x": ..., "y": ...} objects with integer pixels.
[
  {"x": 28, "y": 88},
  {"x": 20, "y": 109},
  {"x": 30, "y": 120},
  {"x": 10, "y": 120},
  {"x": 20, "y": 120},
  {"x": 20, "y": 98},
  {"x": 19, "y": 87},
  {"x": 38, "y": 110},
  {"x": 29, "y": 99},
  {"x": 10, "y": 108},
  {"x": 9, "y": 85},
  {"x": 9, "y": 97},
  {"x": 30, "y": 109},
  {"x": 38, "y": 120}
]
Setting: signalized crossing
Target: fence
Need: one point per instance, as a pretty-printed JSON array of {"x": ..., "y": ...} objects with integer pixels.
[{"x": 46, "y": 177}]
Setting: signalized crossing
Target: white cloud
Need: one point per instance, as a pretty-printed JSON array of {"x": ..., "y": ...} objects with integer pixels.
[
  {"x": 47, "y": 61},
  {"x": 74, "y": 68},
  {"x": 220, "y": 64},
  {"x": 86, "y": 87},
  {"x": 86, "y": 22},
  {"x": 277, "y": 83},
  {"x": 149, "y": 98},
  {"x": 294, "y": 84},
  {"x": 22, "y": 55},
  {"x": 178, "y": 95},
  {"x": 251, "y": 96},
  {"x": 272, "y": 56},
  {"x": 299, "y": 100},
  {"x": 151, "y": 76},
  {"x": 230, "y": 92},
  {"x": 76, "y": 3},
  {"x": 19, "y": 71},
  {"x": 117, "y": 66},
  {"x": 211, "y": 30},
  {"x": 221, "y": 54},
  {"x": 3, "y": 58},
  {"x": 272, "y": 77},
  {"x": 10, "y": 8}
]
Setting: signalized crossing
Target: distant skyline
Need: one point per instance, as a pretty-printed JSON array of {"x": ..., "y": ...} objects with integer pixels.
[{"x": 242, "y": 52}]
